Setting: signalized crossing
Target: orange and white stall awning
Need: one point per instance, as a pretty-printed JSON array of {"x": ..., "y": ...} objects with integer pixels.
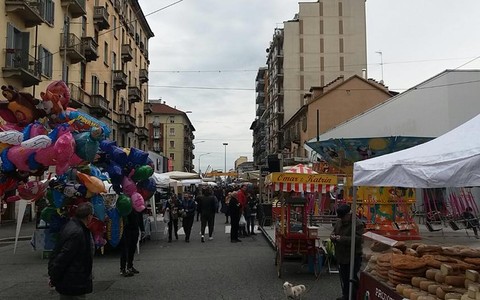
[{"x": 298, "y": 182}]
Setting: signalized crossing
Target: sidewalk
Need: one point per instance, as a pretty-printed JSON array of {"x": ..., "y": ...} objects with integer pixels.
[{"x": 7, "y": 231}]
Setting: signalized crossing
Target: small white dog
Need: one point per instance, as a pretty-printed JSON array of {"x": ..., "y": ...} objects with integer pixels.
[{"x": 293, "y": 292}]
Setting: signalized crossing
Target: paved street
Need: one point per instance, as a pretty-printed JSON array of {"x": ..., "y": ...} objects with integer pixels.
[{"x": 215, "y": 269}]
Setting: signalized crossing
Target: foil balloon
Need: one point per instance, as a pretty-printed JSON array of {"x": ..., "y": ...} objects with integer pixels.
[
  {"x": 138, "y": 203},
  {"x": 124, "y": 205},
  {"x": 114, "y": 153},
  {"x": 147, "y": 188},
  {"x": 137, "y": 158},
  {"x": 114, "y": 227},
  {"x": 47, "y": 213},
  {"x": 55, "y": 98},
  {"x": 81, "y": 121},
  {"x": 87, "y": 144},
  {"x": 128, "y": 186},
  {"x": 58, "y": 154},
  {"x": 98, "y": 207},
  {"x": 98, "y": 229},
  {"x": 142, "y": 173},
  {"x": 20, "y": 107},
  {"x": 93, "y": 184},
  {"x": 32, "y": 190}
]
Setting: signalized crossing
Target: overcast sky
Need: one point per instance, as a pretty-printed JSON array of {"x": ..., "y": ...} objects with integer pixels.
[{"x": 205, "y": 55}]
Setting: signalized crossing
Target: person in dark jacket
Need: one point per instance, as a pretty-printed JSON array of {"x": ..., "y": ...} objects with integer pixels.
[
  {"x": 342, "y": 239},
  {"x": 234, "y": 209},
  {"x": 208, "y": 208},
  {"x": 172, "y": 207},
  {"x": 133, "y": 225},
  {"x": 70, "y": 265},
  {"x": 189, "y": 207}
]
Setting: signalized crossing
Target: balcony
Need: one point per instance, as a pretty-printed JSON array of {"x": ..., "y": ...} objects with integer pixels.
[
  {"x": 143, "y": 76},
  {"x": 142, "y": 133},
  {"x": 142, "y": 47},
  {"x": 117, "y": 6},
  {"x": 29, "y": 11},
  {"x": 260, "y": 85},
  {"x": 134, "y": 94},
  {"x": 145, "y": 53},
  {"x": 127, "y": 54},
  {"x": 75, "y": 7},
  {"x": 21, "y": 66},
  {"x": 126, "y": 122},
  {"x": 147, "y": 108},
  {"x": 77, "y": 96},
  {"x": 137, "y": 39},
  {"x": 89, "y": 48},
  {"x": 98, "y": 106},
  {"x": 100, "y": 17},
  {"x": 73, "y": 47},
  {"x": 131, "y": 29},
  {"x": 260, "y": 98},
  {"x": 260, "y": 109},
  {"x": 119, "y": 80}
]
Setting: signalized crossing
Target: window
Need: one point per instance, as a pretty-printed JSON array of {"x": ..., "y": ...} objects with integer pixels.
[
  {"x": 156, "y": 146},
  {"x": 156, "y": 121},
  {"x": 340, "y": 9},
  {"x": 95, "y": 85},
  {"x": 342, "y": 64},
  {"x": 114, "y": 61},
  {"x": 46, "y": 61},
  {"x": 105, "y": 54},
  {"x": 172, "y": 119},
  {"x": 172, "y": 144},
  {"x": 114, "y": 26},
  {"x": 105, "y": 89},
  {"x": 156, "y": 132},
  {"x": 49, "y": 11},
  {"x": 172, "y": 131},
  {"x": 172, "y": 156},
  {"x": 340, "y": 45},
  {"x": 340, "y": 27},
  {"x": 83, "y": 70}
]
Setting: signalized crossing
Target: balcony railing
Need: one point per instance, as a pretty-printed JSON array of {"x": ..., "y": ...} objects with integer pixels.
[
  {"x": 126, "y": 122},
  {"x": 99, "y": 105},
  {"x": 21, "y": 65},
  {"x": 147, "y": 108},
  {"x": 134, "y": 94},
  {"x": 119, "y": 80},
  {"x": 77, "y": 96},
  {"x": 131, "y": 29},
  {"x": 89, "y": 47},
  {"x": 31, "y": 11},
  {"x": 100, "y": 17},
  {"x": 73, "y": 47},
  {"x": 142, "y": 133},
  {"x": 143, "y": 75},
  {"x": 127, "y": 54},
  {"x": 75, "y": 7}
]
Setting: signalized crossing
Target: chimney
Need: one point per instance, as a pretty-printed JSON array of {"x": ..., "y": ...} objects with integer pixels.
[{"x": 364, "y": 73}]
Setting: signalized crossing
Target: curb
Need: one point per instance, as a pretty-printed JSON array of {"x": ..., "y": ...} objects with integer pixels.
[
  {"x": 12, "y": 239},
  {"x": 268, "y": 237}
]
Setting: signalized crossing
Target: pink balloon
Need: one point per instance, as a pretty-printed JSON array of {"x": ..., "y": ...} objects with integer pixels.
[
  {"x": 138, "y": 203},
  {"x": 128, "y": 185},
  {"x": 19, "y": 157},
  {"x": 57, "y": 154}
]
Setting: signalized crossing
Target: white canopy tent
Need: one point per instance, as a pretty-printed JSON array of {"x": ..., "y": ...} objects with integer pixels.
[{"x": 451, "y": 160}]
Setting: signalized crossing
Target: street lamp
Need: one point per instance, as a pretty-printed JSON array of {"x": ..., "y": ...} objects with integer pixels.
[
  {"x": 199, "y": 168},
  {"x": 225, "y": 144}
]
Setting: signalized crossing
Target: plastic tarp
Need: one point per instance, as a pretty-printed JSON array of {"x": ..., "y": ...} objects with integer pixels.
[
  {"x": 181, "y": 175},
  {"x": 164, "y": 181},
  {"x": 451, "y": 160}
]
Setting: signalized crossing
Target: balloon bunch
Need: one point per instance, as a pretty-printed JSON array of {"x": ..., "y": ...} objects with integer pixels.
[{"x": 43, "y": 133}]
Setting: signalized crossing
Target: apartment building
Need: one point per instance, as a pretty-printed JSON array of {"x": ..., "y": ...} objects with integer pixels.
[
  {"x": 99, "y": 47},
  {"x": 171, "y": 134},
  {"x": 324, "y": 40}
]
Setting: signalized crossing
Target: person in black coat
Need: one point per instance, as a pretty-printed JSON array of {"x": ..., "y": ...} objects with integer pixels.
[
  {"x": 208, "y": 208},
  {"x": 234, "y": 209},
  {"x": 70, "y": 265},
  {"x": 132, "y": 228}
]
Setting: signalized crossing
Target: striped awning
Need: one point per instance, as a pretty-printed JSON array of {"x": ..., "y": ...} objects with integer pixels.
[
  {"x": 303, "y": 187},
  {"x": 302, "y": 169}
]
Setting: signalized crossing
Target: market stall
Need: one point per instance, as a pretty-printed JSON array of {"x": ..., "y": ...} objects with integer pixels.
[
  {"x": 451, "y": 160},
  {"x": 293, "y": 236}
]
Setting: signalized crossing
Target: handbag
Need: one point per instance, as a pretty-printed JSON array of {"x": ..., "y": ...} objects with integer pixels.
[
  {"x": 166, "y": 216},
  {"x": 242, "y": 221}
]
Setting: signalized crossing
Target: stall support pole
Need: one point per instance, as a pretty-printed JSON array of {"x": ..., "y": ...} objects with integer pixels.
[{"x": 352, "y": 244}]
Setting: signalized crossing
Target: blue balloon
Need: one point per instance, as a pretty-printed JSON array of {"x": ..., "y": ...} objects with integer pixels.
[
  {"x": 114, "y": 170},
  {"x": 98, "y": 207},
  {"x": 85, "y": 147},
  {"x": 137, "y": 158},
  {"x": 114, "y": 152},
  {"x": 114, "y": 227},
  {"x": 58, "y": 198}
]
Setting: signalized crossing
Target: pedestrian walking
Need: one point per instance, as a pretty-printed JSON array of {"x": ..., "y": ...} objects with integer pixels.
[
  {"x": 207, "y": 213},
  {"x": 172, "y": 207},
  {"x": 234, "y": 208},
  {"x": 251, "y": 213},
  {"x": 189, "y": 207},
  {"x": 70, "y": 265}
]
